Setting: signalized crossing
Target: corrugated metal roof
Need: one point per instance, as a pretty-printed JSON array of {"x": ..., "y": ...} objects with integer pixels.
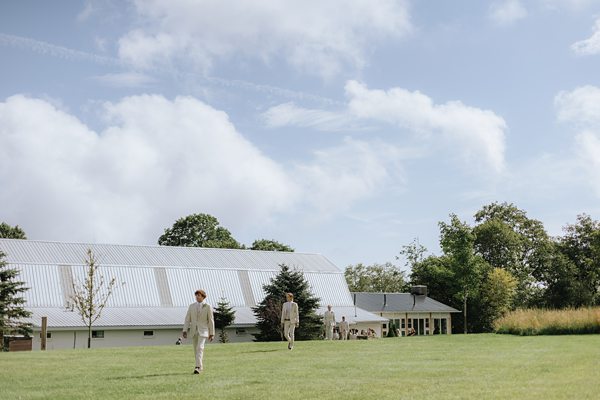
[
  {"x": 41, "y": 252},
  {"x": 153, "y": 283},
  {"x": 399, "y": 302}
]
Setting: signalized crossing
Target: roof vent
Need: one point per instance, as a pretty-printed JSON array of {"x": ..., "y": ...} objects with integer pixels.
[{"x": 418, "y": 290}]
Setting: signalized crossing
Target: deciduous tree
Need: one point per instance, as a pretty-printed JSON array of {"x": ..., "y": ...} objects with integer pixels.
[
  {"x": 91, "y": 295},
  {"x": 9, "y": 232},
  {"x": 198, "y": 230}
]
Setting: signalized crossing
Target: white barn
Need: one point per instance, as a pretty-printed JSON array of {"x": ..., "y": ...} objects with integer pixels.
[{"x": 157, "y": 283}]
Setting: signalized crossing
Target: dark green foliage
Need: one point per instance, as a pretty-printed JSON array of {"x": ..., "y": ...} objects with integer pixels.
[
  {"x": 392, "y": 331},
  {"x": 270, "y": 245},
  {"x": 9, "y": 232},
  {"x": 12, "y": 304},
  {"x": 198, "y": 230},
  {"x": 268, "y": 312},
  {"x": 224, "y": 316},
  {"x": 375, "y": 278}
]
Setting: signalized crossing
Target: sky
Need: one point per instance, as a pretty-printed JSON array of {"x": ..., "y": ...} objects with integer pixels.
[{"x": 348, "y": 128}]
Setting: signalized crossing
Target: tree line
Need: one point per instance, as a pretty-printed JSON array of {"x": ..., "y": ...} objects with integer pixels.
[{"x": 504, "y": 261}]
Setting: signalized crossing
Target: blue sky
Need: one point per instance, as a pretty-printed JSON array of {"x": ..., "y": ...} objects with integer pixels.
[{"x": 346, "y": 128}]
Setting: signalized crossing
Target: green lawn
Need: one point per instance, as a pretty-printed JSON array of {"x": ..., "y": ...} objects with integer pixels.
[{"x": 439, "y": 367}]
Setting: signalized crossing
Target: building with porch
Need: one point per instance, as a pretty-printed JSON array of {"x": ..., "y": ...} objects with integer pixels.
[{"x": 408, "y": 311}]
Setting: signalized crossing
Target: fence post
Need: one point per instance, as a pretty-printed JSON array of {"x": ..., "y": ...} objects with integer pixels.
[{"x": 44, "y": 332}]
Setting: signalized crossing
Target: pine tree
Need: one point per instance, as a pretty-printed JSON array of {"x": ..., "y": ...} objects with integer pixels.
[
  {"x": 12, "y": 308},
  {"x": 268, "y": 312},
  {"x": 224, "y": 316},
  {"x": 392, "y": 331}
]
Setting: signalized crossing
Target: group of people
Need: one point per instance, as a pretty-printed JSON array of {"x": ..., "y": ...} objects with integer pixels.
[{"x": 200, "y": 325}]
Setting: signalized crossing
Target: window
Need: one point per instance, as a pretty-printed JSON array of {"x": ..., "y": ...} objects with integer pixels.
[
  {"x": 48, "y": 335},
  {"x": 240, "y": 331},
  {"x": 148, "y": 334},
  {"x": 98, "y": 334}
]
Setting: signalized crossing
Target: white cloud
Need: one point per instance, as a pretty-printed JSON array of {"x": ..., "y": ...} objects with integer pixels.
[
  {"x": 476, "y": 134},
  {"x": 314, "y": 36},
  {"x": 288, "y": 114},
  {"x": 588, "y": 151},
  {"x": 591, "y": 45},
  {"x": 350, "y": 172},
  {"x": 581, "y": 105},
  {"x": 157, "y": 160},
  {"x": 507, "y": 12}
]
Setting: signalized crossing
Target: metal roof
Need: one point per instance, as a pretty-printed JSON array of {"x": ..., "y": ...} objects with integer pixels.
[
  {"x": 43, "y": 252},
  {"x": 399, "y": 302},
  {"x": 154, "y": 283}
]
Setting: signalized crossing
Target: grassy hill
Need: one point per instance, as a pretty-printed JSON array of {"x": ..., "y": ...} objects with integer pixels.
[{"x": 439, "y": 367}]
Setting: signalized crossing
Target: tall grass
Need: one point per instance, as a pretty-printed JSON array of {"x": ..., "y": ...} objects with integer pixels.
[{"x": 529, "y": 322}]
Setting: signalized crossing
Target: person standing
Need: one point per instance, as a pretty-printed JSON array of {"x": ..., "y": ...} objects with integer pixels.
[
  {"x": 200, "y": 322},
  {"x": 344, "y": 328},
  {"x": 329, "y": 321},
  {"x": 290, "y": 319}
]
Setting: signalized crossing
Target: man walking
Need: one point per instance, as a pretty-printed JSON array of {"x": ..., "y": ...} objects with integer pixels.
[
  {"x": 344, "y": 328},
  {"x": 200, "y": 322},
  {"x": 290, "y": 319},
  {"x": 329, "y": 320}
]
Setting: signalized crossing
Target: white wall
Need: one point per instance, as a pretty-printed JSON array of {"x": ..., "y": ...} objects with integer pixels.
[{"x": 69, "y": 339}]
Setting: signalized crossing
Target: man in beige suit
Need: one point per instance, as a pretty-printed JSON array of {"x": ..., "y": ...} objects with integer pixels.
[
  {"x": 290, "y": 319},
  {"x": 344, "y": 328},
  {"x": 200, "y": 321},
  {"x": 329, "y": 321}
]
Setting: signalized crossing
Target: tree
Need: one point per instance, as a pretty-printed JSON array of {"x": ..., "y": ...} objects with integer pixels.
[
  {"x": 580, "y": 245},
  {"x": 198, "y": 230},
  {"x": 9, "y": 232},
  {"x": 90, "y": 296},
  {"x": 224, "y": 316},
  {"x": 413, "y": 252},
  {"x": 268, "y": 311},
  {"x": 506, "y": 238},
  {"x": 375, "y": 278},
  {"x": 12, "y": 309},
  {"x": 457, "y": 242},
  {"x": 270, "y": 245},
  {"x": 495, "y": 298},
  {"x": 392, "y": 331}
]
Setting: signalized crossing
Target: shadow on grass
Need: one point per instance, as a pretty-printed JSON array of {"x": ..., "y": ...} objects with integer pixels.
[{"x": 122, "y": 378}]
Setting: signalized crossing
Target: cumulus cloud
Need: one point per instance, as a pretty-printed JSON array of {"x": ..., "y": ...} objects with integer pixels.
[
  {"x": 591, "y": 45},
  {"x": 476, "y": 135},
  {"x": 507, "y": 12},
  {"x": 317, "y": 37},
  {"x": 156, "y": 161}
]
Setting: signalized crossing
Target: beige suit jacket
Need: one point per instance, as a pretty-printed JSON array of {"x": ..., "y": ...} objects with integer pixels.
[
  {"x": 290, "y": 311},
  {"x": 199, "y": 319}
]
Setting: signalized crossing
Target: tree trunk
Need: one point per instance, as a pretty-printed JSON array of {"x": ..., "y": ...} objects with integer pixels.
[{"x": 465, "y": 312}]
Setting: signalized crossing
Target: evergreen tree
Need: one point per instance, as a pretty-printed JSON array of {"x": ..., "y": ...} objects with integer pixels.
[
  {"x": 268, "y": 312},
  {"x": 12, "y": 308},
  {"x": 224, "y": 316},
  {"x": 392, "y": 332}
]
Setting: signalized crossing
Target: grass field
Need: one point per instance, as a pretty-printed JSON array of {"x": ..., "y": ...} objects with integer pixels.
[{"x": 439, "y": 367}]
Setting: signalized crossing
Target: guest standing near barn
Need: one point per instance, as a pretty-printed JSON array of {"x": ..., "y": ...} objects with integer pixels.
[{"x": 200, "y": 321}]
